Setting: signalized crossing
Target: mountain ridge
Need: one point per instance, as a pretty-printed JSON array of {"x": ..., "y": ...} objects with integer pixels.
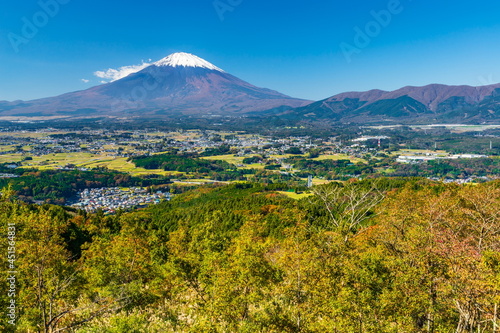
[
  {"x": 475, "y": 93},
  {"x": 431, "y": 103}
]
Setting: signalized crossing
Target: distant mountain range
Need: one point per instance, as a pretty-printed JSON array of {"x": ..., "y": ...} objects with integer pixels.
[
  {"x": 430, "y": 104},
  {"x": 184, "y": 84}
]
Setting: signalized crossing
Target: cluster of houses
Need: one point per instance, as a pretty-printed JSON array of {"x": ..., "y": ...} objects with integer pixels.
[
  {"x": 8, "y": 175},
  {"x": 112, "y": 199},
  {"x": 142, "y": 142},
  {"x": 148, "y": 142},
  {"x": 468, "y": 180}
]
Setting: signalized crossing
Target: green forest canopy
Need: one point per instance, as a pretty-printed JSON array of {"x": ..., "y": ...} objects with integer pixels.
[{"x": 401, "y": 255}]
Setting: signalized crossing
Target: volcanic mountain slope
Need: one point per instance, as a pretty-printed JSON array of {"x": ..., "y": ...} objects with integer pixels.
[
  {"x": 181, "y": 83},
  {"x": 429, "y": 104}
]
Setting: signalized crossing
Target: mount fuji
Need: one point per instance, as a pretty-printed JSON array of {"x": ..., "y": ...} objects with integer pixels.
[{"x": 180, "y": 84}]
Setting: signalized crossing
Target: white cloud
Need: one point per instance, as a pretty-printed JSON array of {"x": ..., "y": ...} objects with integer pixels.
[
  {"x": 85, "y": 81},
  {"x": 116, "y": 74}
]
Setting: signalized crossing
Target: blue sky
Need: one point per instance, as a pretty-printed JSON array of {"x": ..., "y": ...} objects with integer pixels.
[{"x": 292, "y": 46}]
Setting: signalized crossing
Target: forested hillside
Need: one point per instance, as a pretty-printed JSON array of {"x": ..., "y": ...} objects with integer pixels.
[{"x": 400, "y": 255}]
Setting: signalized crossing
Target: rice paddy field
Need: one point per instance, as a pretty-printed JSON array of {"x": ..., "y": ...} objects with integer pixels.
[{"x": 82, "y": 160}]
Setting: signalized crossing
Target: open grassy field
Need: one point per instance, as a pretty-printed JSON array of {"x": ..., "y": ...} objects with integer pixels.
[
  {"x": 227, "y": 158},
  {"x": 59, "y": 160},
  {"x": 337, "y": 157},
  {"x": 236, "y": 160},
  {"x": 6, "y": 148},
  {"x": 85, "y": 160},
  {"x": 287, "y": 155},
  {"x": 11, "y": 158},
  {"x": 317, "y": 181},
  {"x": 122, "y": 165},
  {"x": 253, "y": 166},
  {"x": 420, "y": 152},
  {"x": 386, "y": 171},
  {"x": 296, "y": 196}
]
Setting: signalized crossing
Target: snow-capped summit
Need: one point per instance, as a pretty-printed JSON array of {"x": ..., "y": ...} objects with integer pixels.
[{"x": 186, "y": 60}]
